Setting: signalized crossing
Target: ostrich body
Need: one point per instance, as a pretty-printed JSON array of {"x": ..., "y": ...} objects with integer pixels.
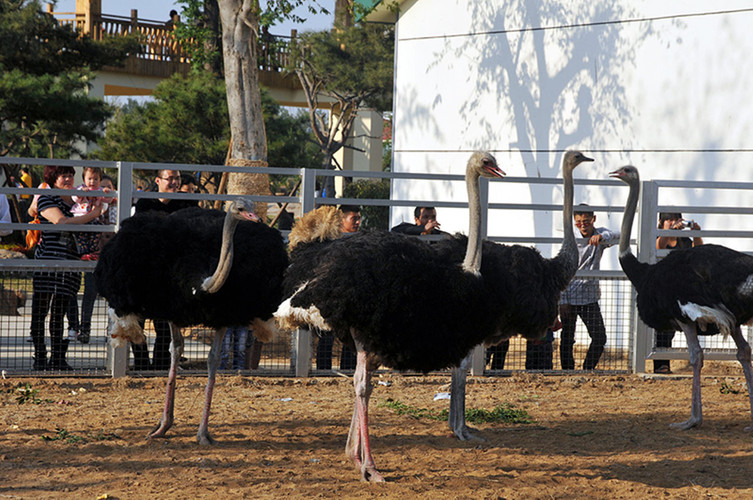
[
  {"x": 192, "y": 267},
  {"x": 530, "y": 288},
  {"x": 702, "y": 290},
  {"x": 397, "y": 300}
]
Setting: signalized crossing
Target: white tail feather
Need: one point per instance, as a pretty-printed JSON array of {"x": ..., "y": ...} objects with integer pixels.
[
  {"x": 705, "y": 315},
  {"x": 125, "y": 329}
]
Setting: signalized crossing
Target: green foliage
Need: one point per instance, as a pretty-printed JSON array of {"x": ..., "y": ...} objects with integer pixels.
[
  {"x": 188, "y": 123},
  {"x": 45, "y": 70},
  {"x": 70, "y": 438},
  {"x": 372, "y": 217},
  {"x": 726, "y": 388},
  {"x": 355, "y": 63},
  {"x": 505, "y": 413},
  {"x": 200, "y": 31},
  {"x": 27, "y": 394}
]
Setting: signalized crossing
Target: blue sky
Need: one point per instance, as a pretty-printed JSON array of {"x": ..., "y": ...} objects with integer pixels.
[{"x": 159, "y": 10}]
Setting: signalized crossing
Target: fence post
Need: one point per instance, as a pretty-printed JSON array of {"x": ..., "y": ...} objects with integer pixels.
[
  {"x": 117, "y": 358},
  {"x": 308, "y": 190},
  {"x": 301, "y": 352},
  {"x": 643, "y": 341},
  {"x": 125, "y": 191}
]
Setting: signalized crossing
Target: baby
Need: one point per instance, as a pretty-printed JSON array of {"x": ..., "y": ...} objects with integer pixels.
[
  {"x": 88, "y": 242},
  {"x": 92, "y": 180}
]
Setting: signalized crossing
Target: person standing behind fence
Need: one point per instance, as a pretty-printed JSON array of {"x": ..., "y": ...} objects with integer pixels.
[
  {"x": 350, "y": 223},
  {"x": 52, "y": 290},
  {"x": 88, "y": 244},
  {"x": 672, "y": 220},
  {"x": 168, "y": 181},
  {"x": 425, "y": 222},
  {"x": 581, "y": 298}
]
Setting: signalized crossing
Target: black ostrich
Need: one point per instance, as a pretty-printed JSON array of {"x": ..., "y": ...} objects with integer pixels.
[
  {"x": 702, "y": 290},
  {"x": 396, "y": 300},
  {"x": 529, "y": 288},
  {"x": 192, "y": 267}
]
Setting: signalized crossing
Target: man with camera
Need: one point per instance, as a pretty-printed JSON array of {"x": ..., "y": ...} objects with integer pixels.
[{"x": 672, "y": 220}]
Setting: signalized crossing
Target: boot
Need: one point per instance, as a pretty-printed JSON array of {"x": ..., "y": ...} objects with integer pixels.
[
  {"x": 40, "y": 352},
  {"x": 40, "y": 356},
  {"x": 57, "y": 357}
]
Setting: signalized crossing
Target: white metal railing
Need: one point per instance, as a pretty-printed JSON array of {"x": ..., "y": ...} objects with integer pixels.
[{"x": 652, "y": 193}]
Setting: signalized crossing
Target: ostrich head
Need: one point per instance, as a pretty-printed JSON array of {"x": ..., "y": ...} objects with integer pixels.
[
  {"x": 572, "y": 159},
  {"x": 240, "y": 209},
  {"x": 627, "y": 174},
  {"x": 484, "y": 164}
]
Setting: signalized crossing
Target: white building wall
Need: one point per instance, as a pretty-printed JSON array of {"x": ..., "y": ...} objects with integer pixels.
[{"x": 662, "y": 85}]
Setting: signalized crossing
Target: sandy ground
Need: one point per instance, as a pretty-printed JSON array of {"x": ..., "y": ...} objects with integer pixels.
[{"x": 594, "y": 436}]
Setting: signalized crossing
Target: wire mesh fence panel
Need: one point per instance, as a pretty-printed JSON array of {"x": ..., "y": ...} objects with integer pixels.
[
  {"x": 86, "y": 355},
  {"x": 550, "y": 353}
]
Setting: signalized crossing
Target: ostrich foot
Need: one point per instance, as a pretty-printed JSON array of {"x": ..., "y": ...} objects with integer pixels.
[
  {"x": 203, "y": 438},
  {"x": 369, "y": 474},
  {"x": 465, "y": 433},
  {"x": 160, "y": 429},
  {"x": 688, "y": 424}
]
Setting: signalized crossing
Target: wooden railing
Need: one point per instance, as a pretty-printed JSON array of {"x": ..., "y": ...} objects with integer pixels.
[{"x": 158, "y": 39}]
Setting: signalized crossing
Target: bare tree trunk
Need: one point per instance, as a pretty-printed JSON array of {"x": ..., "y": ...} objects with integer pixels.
[{"x": 240, "y": 29}]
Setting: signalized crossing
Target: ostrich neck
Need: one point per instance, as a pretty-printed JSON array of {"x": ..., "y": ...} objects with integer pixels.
[
  {"x": 215, "y": 282},
  {"x": 568, "y": 254},
  {"x": 628, "y": 217},
  {"x": 472, "y": 261}
]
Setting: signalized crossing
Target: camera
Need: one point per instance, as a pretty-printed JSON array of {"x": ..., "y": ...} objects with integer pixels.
[{"x": 688, "y": 223}]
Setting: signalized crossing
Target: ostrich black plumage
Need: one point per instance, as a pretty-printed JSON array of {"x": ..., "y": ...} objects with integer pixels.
[
  {"x": 528, "y": 286},
  {"x": 691, "y": 290},
  {"x": 192, "y": 267},
  {"x": 396, "y": 300}
]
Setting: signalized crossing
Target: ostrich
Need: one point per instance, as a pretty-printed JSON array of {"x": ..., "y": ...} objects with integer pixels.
[
  {"x": 529, "y": 286},
  {"x": 702, "y": 291},
  {"x": 396, "y": 300},
  {"x": 192, "y": 267}
]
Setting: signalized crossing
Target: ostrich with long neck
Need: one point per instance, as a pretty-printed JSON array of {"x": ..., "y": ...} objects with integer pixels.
[
  {"x": 396, "y": 300},
  {"x": 530, "y": 287},
  {"x": 192, "y": 267},
  {"x": 691, "y": 290}
]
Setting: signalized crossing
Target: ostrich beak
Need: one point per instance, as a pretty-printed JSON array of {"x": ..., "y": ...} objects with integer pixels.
[
  {"x": 248, "y": 215},
  {"x": 616, "y": 174},
  {"x": 494, "y": 170}
]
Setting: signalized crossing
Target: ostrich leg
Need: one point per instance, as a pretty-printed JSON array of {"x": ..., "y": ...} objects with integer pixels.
[
  {"x": 696, "y": 361},
  {"x": 358, "y": 447},
  {"x": 457, "y": 402},
  {"x": 176, "y": 351},
  {"x": 213, "y": 361},
  {"x": 743, "y": 356}
]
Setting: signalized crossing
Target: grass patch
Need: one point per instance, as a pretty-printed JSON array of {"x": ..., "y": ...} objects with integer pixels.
[
  {"x": 26, "y": 394},
  {"x": 504, "y": 413},
  {"x": 70, "y": 438}
]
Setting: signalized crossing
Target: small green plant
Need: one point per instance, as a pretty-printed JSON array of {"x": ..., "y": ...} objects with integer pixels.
[
  {"x": 27, "y": 394},
  {"x": 579, "y": 433},
  {"x": 70, "y": 438},
  {"x": 505, "y": 413},
  {"x": 63, "y": 435},
  {"x": 726, "y": 388}
]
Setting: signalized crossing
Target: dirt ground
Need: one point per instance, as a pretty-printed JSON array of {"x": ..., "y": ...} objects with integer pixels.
[{"x": 594, "y": 436}]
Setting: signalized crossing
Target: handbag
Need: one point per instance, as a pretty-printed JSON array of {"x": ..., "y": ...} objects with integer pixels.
[{"x": 33, "y": 235}]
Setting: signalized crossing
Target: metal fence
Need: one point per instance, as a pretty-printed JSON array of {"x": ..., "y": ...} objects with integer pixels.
[{"x": 629, "y": 342}]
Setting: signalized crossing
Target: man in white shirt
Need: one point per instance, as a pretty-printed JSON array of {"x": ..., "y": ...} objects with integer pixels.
[{"x": 581, "y": 298}]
